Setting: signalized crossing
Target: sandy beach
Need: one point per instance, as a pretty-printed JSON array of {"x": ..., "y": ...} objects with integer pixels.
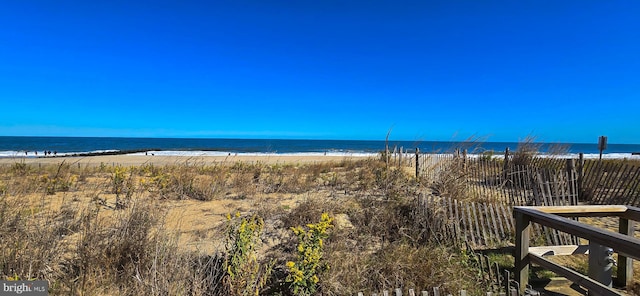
[{"x": 134, "y": 160}]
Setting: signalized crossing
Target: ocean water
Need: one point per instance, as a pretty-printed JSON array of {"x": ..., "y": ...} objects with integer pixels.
[{"x": 27, "y": 147}]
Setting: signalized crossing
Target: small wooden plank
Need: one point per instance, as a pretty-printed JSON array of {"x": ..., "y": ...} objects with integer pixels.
[
  {"x": 481, "y": 262},
  {"x": 535, "y": 189},
  {"x": 484, "y": 178},
  {"x": 497, "y": 275},
  {"x": 470, "y": 228},
  {"x": 506, "y": 214},
  {"x": 493, "y": 222},
  {"x": 584, "y": 211},
  {"x": 480, "y": 216},
  {"x": 436, "y": 291},
  {"x": 479, "y": 230},
  {"x": 489, "y": 269},
  {"x": 551, "y": 193},
  {"x": 551, "y": 188},
  {"x": 457, "y": 221},
  {"x": 449, "y": 202},
  {"x": 561, "y": 196},
  {"x": 521, "y": 187},
  {"x": 497, "y": 220},
  {"x": 559, "y": 250}
]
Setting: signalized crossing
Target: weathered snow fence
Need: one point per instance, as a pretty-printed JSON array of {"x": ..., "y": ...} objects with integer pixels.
[{"x": 435, "y": 291}]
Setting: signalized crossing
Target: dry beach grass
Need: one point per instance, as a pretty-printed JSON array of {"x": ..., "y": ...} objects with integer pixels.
[
  {"x": 158, "y": 225},
  {"x": 153, "y": 225}
]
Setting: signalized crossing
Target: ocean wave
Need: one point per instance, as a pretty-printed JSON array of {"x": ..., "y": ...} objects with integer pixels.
[
  {"x": 226, "y": 153},
  {"x": 338, "y": 153}
]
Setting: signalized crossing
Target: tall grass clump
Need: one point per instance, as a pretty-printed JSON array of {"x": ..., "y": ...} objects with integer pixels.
[
  {"x": 526, "y": 152},
  {"x": 451, "y": 180}
]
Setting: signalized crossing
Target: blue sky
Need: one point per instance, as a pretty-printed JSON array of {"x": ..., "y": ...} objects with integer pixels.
[{"x": 562, "y": 71}]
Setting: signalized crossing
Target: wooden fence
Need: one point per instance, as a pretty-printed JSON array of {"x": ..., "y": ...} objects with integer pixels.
[
  {"x": 481, "y": 213},
  {"x": 482, "y": 225},
  {"x": 536, "y": 181},
  {"x": 435, "y": 292},
  {"x": 610, "y": 182},
  {"x": 542, "y": 182}
]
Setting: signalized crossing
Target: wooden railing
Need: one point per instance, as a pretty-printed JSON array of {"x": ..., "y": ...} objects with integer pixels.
[{"x": 623, "y": 243}]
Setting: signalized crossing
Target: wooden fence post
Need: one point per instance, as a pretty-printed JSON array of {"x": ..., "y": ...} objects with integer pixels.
[
  {"x": 507, "y": 282},
  {"x": 505, "y": 167},
  {"x": 625, "y": 265},
  {"x": 570, "y": 167},
  {"x": 395, "y": 153},
  {"x": 464, "y": 159},
  {"x": 417, "y": 162},
  {"x": 523, "y": 224},
  {"x": 580, "y": 176}
]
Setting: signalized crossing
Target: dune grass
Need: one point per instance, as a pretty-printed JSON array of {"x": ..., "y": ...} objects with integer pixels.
[{"x": 105, "y": 230}]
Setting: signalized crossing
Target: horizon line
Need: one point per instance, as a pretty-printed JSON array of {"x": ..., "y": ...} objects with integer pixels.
[{"x": 310, "y": 139}]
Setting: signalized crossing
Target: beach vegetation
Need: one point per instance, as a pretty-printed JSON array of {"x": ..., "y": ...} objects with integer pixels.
[
  {"x": 244, "y": 274},
  {"x": 303, "y": 272},
  {"x": 325, "y": 228}
]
